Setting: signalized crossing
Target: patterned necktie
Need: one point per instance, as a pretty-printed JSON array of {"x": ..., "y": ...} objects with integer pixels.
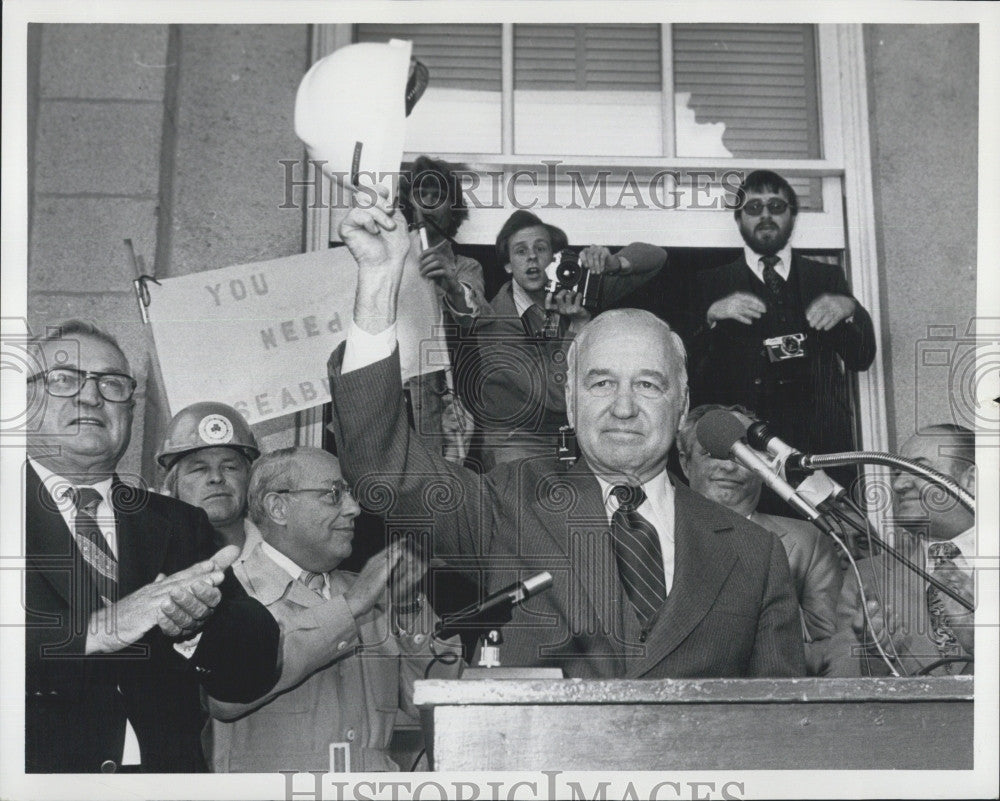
[
  {"x": 91, "y": 543},
  {"x": 942, "y": 556},
  {"x": 775, "y": 283},
  {"x": 637, "y": 551},
  {"x": 314, "y": 581},
  {"x": 542, "y": 324}
]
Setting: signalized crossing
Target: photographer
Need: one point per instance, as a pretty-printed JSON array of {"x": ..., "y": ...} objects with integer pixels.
[
  {"x": 517, "y": 394},
  {"x": 779, "y": 331}
]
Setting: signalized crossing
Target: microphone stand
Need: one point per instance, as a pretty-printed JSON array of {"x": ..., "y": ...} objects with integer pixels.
[{"x": 855, "y": 517}]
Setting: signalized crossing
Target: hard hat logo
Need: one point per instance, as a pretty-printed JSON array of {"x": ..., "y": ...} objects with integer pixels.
[{"x": 214, "y": 429}]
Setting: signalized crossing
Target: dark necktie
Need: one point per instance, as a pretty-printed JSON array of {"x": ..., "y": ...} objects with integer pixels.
[
  {"x": 91, "y": 543},
  {"x": 775, "y": 283},
  {"x": 637, "y": 551},
  {"x": 942, "y": 556}
]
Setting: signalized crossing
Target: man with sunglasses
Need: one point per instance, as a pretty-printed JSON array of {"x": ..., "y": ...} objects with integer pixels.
[
  {"x": 116, "y": 578},
  {"x": 350, "y": 650},
  {"x": 776, "y": 326}
]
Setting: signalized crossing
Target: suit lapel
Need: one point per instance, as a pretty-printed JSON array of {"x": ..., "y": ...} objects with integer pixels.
[
  {"x": 701, "y": 565},
  {"x": 142, "y": 537},
  {"x": 581, "y": 533},
  {"x": 49, "y": 545}
]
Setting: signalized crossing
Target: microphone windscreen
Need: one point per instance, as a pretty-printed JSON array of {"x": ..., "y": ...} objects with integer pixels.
[{"x": 718, "y": 431}]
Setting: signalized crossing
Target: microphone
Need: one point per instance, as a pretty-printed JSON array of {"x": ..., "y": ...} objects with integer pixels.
[
  {"x": 720, "y": 433},
  {"x": 810, "y": 482},
  {"x": 494, "y": 609}
]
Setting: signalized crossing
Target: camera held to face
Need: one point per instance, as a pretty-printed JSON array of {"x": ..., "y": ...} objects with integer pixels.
[
  {"x": 787, "y": 346},
  {"x": 566, "y": 272}
]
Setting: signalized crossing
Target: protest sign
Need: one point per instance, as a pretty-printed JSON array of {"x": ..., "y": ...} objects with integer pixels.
[{"x": 257, "y": 336}]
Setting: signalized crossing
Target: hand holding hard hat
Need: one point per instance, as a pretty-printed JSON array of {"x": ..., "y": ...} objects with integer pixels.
[{"x": 351, "y": 109}]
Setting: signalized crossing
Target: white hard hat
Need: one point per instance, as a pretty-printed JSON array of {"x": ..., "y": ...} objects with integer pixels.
[{"x": 351, "y": 110}]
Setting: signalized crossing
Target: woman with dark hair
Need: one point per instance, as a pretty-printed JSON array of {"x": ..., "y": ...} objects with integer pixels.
[{"x": 431, "y": 199}]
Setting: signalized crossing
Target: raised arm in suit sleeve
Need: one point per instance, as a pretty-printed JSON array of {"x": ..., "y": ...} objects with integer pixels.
[
  {"x": 777, "y": 649},
  {"x": 393, "y": 473}
]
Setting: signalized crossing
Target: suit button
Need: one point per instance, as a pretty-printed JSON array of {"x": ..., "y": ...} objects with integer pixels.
[
  {"x": 350, "y": 735},
  {"x": 642, "y": 636},
  {"x": 109, "y": 766},
  {"x": 757, "y": 382},
  {"x": 341, "y": 645}
]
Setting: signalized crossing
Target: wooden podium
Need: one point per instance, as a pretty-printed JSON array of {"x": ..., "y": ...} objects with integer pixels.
[{"x": 689, "y": 724}]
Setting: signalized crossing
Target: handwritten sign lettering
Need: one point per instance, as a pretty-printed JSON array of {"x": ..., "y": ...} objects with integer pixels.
[{"x": 257, "y": 336}]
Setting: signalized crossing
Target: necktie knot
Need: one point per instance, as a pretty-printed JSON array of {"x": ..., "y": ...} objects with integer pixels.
[
  {"x": 314, "y": 581},
  {"x": 85, "y": 499},
  {"x": 774, "y": 282},
  {"x": 629, "y": 497}
]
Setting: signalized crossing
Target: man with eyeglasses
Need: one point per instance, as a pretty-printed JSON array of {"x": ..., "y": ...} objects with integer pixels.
[
  {"x": 350, "y": 650},
  {"x": 776, "y": 327},
  {"x": 127, "y": 605}
]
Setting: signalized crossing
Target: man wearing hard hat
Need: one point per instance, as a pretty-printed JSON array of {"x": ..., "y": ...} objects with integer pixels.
[{"x": 207, "y": 453}]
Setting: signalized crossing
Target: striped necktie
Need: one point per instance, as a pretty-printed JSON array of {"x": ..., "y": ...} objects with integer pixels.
[
  {"x": 942, "y": 555},
  {"x": 637, "y": 551},
  {"x": 92, "y": 545},
  {"x": 314, "y": 581}
]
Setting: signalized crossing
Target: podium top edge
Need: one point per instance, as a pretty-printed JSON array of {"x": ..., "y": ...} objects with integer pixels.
[{"x": 492, "y": 692}]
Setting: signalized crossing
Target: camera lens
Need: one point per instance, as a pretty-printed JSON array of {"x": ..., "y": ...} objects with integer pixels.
[
  {"x": 568, "y": 271},
  {"x": 790, "y": 344}
]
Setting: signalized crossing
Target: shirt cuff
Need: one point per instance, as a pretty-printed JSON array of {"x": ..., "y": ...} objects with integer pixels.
[{"x": 362, "y": 348}]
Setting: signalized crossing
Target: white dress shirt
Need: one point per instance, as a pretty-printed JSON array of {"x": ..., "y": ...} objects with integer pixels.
[
  {"x": 658, "y": 509},
  {"x": 289, "y": 566},
  {"x": 782, "y": 268}
]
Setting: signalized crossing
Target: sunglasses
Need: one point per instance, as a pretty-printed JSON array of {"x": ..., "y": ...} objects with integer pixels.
[{"x": 775, "y": 205}]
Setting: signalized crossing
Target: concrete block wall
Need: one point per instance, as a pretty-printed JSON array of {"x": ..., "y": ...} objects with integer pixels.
[
  {"x": 171, "y": 136},
  {"x": 923, "y": 105},
  {"x": 98, "y": 131}
]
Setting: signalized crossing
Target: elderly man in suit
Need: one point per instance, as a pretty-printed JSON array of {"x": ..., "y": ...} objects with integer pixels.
[
  {"x": 811, "y": 557},
  {"x": 778, "y": 330},
  {"x": 918, "y": 626},
  {"x": 116, "y": 578},
  {"x": 650, "y": 579}
]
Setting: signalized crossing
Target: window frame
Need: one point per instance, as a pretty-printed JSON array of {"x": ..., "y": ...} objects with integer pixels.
[{"x": 846, "y": 223}]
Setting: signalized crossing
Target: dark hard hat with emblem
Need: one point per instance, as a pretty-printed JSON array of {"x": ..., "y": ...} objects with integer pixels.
[{"x": 206, "y": 425}]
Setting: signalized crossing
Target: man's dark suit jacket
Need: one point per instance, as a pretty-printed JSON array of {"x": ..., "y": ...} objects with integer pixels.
[
  {"x": 731, "y": 366},
  {"x": 731, "y": 611},
  {"x": 76, "y": 704}
]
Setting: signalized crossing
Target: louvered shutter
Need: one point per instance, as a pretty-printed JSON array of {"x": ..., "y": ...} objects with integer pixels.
[
  {"x": 587, "y": 57},
  {"x": 458, "y": 56},
  {"x": 760, "y": 80}
]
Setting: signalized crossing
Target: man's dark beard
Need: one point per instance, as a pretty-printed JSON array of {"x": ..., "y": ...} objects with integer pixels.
[{"x": 766, "y": 248}]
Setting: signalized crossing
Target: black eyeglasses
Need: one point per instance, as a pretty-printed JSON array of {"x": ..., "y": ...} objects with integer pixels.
[
  {"x": 775, "y": 205},
  {"x": 333, "y": 494},
  {"x": 67, "y": 382}
]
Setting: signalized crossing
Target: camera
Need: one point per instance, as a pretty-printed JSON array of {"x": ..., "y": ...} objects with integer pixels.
[
  {"x": 566, "y": 272},
  {"x": 787, "y": 346}
]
